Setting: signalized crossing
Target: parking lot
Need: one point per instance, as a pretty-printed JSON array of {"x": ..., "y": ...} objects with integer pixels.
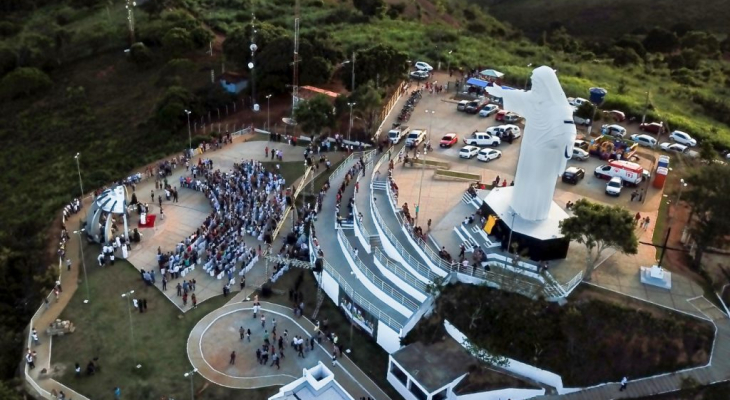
[{"x": 438, "y": 114}]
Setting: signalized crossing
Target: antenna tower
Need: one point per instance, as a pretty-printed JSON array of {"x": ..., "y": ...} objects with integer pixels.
[{"x": 295, "y": 83}]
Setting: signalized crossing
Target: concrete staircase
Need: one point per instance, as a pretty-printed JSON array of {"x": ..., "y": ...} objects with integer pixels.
[
  {"x": 380, "y": 185},
  {"x": 375, "y": 242}
]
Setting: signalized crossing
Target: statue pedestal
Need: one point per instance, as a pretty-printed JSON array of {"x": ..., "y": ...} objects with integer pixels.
[
  {"x": 541, "y": 239},
  {"x": 656, "y": 276}
]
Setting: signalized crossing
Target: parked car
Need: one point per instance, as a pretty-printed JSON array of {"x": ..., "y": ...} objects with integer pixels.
[
  {"x": 616, "y": 114},
  {"x": 503, "y": 131},
  {"x": 573, "y": 175},
  {"x": 487, "y": 155},
  {"x": 576, "y": 101},
  {"x": 631, "y": 173},
  {"x": 415, "y": 137},
  {"x": 482, "y": 139},
  {"x": 468, "y": 151},
  {"x": 461, "y": 106},
  {"x": 449, "y": 140},
  {"x": 613, "y": 187},
  {"x": 500, "y": 115},
  {"x": 397, "y": 133},
  {"x": 579, "y": 154},
  {"x": 422, "y": 66},
  {"x": 614, "y": 130},
  {"x": 419, "y": 75},
  {"x": 581, "y": 121},
  {"x": 683, "y": 138},
  {"x": 475, "y": 106},
  {"x": 679, "y": 148},
  {"x": 651, "y": 127},
  {"x": 512, "y": 118},
  {"x": 581, "y": 144},
  {"x": 644, "y": 140},
  {"x": 488, "y": 110}
]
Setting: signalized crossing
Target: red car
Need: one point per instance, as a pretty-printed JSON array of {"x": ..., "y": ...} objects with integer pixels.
[
  {"x": 619, "y": 116},
  {"x": 653, "y": 127},
  {"x": 449, "y": 140},
  {"x": 500, "y": 115}
]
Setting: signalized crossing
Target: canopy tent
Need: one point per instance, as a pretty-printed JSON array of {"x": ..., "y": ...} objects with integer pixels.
[
  {"x": 477, "y": 82},
  {"x": 491, "y": 73},
  {"x": 111, "y": 201}
]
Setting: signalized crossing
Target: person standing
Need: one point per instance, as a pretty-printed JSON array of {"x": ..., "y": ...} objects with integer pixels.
[
  {"x": 624, "y": 382},
  {"x": 185, "y": 299},
  {"x": 263, "y": 320},
  {"x": 334, "y": 357},
  {"x": 164, "y": 283},
  {"x": 233, "y": 358},
  {"x": 275, "y": 360},
  {"x": 179, "y": 289},
  {"x": 194, "y": 300},
  {"x": 29, "y": 359},
  {"x": 68, "y": 264},
  {"x": 241, "y": 332},
  {"x": 34, "y": 334}
]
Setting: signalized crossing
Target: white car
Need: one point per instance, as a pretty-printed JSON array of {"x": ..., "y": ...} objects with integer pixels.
[
  {"x": 613, "y": 187},
  {"x": 679, "y": 148},
  {"x": 422, "y": 66},
  {"x": 579, "y": 154},
  {"x": 468, "y": 151},
  {"x": 644, "y": 140},
  {"x": 576, "y": 101},
  {"x": 683, "y": 138},
  {"x": 503, "y": 131},
  {"x": 488, "y": 110},
  {"x": 487, "y": 155},
  {"x": 419, "y": 75},
  {"x": 614, "y": 130}
]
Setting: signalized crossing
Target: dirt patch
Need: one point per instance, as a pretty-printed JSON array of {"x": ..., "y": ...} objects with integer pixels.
[{"x": 629, "y": 337}]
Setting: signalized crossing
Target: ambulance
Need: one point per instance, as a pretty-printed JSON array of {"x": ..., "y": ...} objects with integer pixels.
[{"x": 630, "y": 173}]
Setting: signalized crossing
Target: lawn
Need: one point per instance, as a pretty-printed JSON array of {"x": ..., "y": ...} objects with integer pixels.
[
  {"x": 291, "y": 170},
  {"x": 160, "y": 337},
  {"x": 367, "y": 354},
  {"x": 629, "y": 338}
]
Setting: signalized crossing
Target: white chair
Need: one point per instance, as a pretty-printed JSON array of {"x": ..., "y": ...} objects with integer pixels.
[
  {"x": 212, "y": 273},
  {"x": 220, "y": 276}
]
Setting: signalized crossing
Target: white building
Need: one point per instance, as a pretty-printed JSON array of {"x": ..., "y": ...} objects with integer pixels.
[{"x": 317, "y": 382}]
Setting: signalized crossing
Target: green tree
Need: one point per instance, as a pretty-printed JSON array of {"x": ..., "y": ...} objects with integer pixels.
[
  {"x": 315, "y": 114},
  {"x": 273, "y": 66},
  {"x": 8, "y": 59},
  {"x": 371, "y": 8},
  {"x": 236, "y": 47},
  {"x": 140, "y": 55},
  {"x": 201, "y": 37},
  {"x": 708, "y": 197},
  {"x": 624, "y": 56},
  {"x": 381, "y": 63},
  {"x": 660, "y": 40},
  {"x": 368, "y": 104},
  {"x": 7, "y": 392},
  {"x": 170, "y": 109},
  {"x": 24, "y": 81},
  {"x": 585, "y": 110},
  {"x": 707, "y": 151},
  {"x": 599, "y": 227},
  {"x": 315, "y": 71},
  {"x": 177, "y": 41},
  {"x": 154, "y": 8}
]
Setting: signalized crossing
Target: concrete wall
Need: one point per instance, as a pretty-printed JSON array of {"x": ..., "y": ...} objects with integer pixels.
[
  {"x": 331, "y": 287},
  {"x": 511, "y": 394},
  {"x": 516, "y": 367},
  {"x": 425, "y": 309},
  {"x": 387, "y": 338}
]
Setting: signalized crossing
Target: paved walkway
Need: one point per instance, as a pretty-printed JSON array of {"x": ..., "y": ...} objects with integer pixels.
[{"x": 221, "y": 326}]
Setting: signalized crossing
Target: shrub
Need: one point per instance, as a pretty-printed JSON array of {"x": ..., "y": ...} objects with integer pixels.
[
  {"x": 9, "y": 28},
  {"x": 24, "y": 81},
  {"x": 177, "y": 41},
  {"x": 140, "y": 55}
]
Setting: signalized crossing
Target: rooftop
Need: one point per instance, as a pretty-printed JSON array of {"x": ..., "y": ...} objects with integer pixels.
[{"x": 436, "y": 365}]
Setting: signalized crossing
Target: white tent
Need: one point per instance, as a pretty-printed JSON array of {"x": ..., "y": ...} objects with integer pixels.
[
  {"x": 491, "y": 73},
  {"x": 112, "y": 201}
]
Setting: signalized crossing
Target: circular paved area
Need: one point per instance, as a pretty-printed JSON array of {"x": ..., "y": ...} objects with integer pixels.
[{"x": 216, "y": 335}]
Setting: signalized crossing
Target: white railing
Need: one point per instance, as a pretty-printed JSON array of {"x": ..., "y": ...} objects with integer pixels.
[
  {"x": 356, "y": 222},
  {"x": 422, "y": 269},
  {"x": 399, "y": 271},
  {"x": 359, "y": 300},
  {"x": 341, "y": 166},
  {"x": 374, "y": 279},
  {"x": 571, "y": 284},
  {"x": 432, "y": 255}
]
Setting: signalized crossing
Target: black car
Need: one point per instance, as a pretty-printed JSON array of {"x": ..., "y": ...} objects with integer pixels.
[
  {"x": 573, "y": 175},
  {"x": 475, "y": 106}
]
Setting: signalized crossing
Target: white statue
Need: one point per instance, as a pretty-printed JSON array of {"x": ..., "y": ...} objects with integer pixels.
[{"x": 547, "y": 143}]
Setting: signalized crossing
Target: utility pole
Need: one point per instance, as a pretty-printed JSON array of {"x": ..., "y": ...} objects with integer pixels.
[
  {"x": 130, "y": 20},
  {"x": 353, "y": 72},
  {"x": 253, "y": 47},
  {"x": 349, "y": 129},
  {"x": 646, "y": 108}
]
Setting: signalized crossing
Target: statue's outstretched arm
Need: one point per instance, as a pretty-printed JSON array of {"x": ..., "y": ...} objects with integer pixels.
[{"x": 512, "y": 99}]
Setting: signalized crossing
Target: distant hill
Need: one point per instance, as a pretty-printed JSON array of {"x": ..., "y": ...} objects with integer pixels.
[{"x": 602, "y": 19}]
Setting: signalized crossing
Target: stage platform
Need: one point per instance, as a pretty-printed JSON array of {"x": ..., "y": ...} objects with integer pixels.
[{"x": 542, "y": 240}]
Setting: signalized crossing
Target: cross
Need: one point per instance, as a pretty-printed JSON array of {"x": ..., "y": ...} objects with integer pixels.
[{"x": 664, "y": 247}]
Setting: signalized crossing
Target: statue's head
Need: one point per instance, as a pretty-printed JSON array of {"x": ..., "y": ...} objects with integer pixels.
[{"x": 546, "y": 87}]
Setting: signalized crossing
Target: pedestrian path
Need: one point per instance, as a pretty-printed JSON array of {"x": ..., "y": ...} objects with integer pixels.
[{"x": 346, "y": 372}]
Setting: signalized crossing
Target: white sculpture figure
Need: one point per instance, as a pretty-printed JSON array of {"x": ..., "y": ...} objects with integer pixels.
[{"x": 547, "y": 142}]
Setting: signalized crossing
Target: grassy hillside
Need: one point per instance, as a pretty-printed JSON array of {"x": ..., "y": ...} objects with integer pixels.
[{"x": 599, "y": 19}]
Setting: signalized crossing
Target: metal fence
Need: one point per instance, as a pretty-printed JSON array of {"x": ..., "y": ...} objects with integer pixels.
[
  {"x": 399, "y": 271},
  {"x": 359, "y": 300},
  {"x": 374, "y": 279}
]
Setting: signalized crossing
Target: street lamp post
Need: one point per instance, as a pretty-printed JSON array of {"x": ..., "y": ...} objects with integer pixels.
[
  {"x": 511, "y": 229},
  {"x": 349, "y": 129},
  {"x": 78, "y": 168},
  {"x": 190, "y": 135},
  {"x": 423, "y": 164},
  {"x": 83, "y": 263},
  {"x": 448, "y": 63},
  {"x": 646, "y": 108},
  {"x": 353, "y": 72},
  {"x": 268, "y": 108},
  {"x": 190, "y": 375},
  {"x": 128, "y": 295},
  {"x": 682, "y": 185},
  {"x": 527, "y": 79}
]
